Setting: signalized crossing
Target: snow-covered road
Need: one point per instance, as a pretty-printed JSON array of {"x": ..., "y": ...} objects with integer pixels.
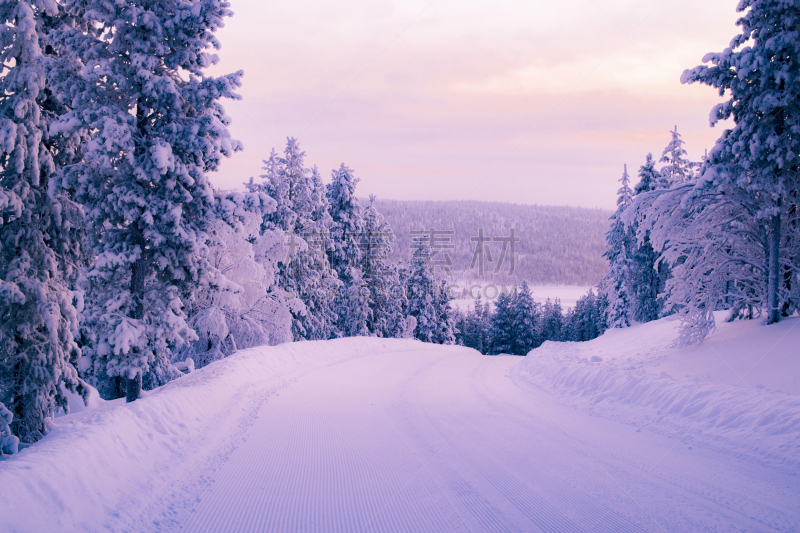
[
  {"x": 403, "y": 436},
  {"x": 440, "y": 439}
]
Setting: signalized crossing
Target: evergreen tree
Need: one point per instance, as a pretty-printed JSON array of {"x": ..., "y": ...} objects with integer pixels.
[
  {"x": 503, "y": 335},
  {"x": 247, "y": 310},
  {"x": 40, "y": 229},
  {"x": 381, "y": 276},
  {"x": 355, "y": 309},
  {"x": 552, "y": 321},
  {"x": 526, "y": 322},
  {"x": 484, "y": 321},
  {"x": 759, "y": 155},
  {"x": 302, "y": 214},
  {"x": 586, "y": 320},
  {"x": 428, "y": 301},
  {"x": 346, "y": 255},
  {"x": 156, "y": 128},
  {"x": 649, "y": 177},
  {"x": 619, "y": 244},
  {"x": 468, "y": 326},
  {"x": 444, "y": 314},
  {"x": 647, "y": 276},
  {"x": 678, "y": 168}
]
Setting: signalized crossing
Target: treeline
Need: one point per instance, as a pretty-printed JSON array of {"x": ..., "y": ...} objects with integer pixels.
[
  {"x": 515, "y": 324},
  {"x": 695, "y": 237},
  {"x": 557, "y": 244},
  {"x": 120, "y": 266}
]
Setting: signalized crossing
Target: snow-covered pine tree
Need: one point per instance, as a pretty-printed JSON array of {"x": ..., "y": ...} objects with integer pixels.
[
  {"x": 9, "y": 443},
  {"x": 678, "y": 169},
  {"x": 760, "y": 154},
  {"x": 526, "y": 322},
  {"x": 302, "y": 214},
  {"x": 428, "y": 301},
  {"x": 619, "y": 244},
  {"x": 717, "y": 247},
  {"x": 503, "y": 335},
  {"x": 465, "y": 336},
  {"x": 41, "y": 229},
  {"x": 484, "y": 321},
  {"x": 347, "y": 255},
  {"x": 381, "y": 276},
  {"x": 444, "y": 314},
  {"x": 156, "y": 128},
  {"x": 355, "y": 308},
  {"x": 585, "y": 321},
  {"x": 647, "y": 277},
  {"x": 552, "y": 321},
  {"x": 649, "y": 177},
  {"x": 247, "y": 310},
  {"x": 460, "y": 320}
]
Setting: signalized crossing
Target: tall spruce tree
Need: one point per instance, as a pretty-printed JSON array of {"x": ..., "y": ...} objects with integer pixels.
[
  {"x": 526, "y": 322},
  {"x": 347, "y": 254},
  {"x": 428, "y": 301},
  {"x": 647, "y": 276},
  {"x": 619, "y": 244},
  {"x": 503, "y": 335},
  {"x": 156, "y": 128},
  {"x": 41, "y": 228},
  {"x": 552, "y": 321},
  {"x": 381, "y": 276},
  {"x": 759, "y": 72}
]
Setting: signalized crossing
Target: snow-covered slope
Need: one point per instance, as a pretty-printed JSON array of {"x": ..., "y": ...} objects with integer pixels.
[
  {"x": 368, "y": 434},
  {"x": 738, "y": 391},
  {"x": 116, "y": 455}
]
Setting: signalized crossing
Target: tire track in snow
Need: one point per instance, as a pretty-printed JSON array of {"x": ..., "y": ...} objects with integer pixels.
[
  {"x": 540, "y": 506},
  {"x": 436, "y": 440},
  {"x": 311, "y": 478}
]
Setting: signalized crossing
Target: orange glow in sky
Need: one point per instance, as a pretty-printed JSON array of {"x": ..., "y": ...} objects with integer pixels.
[{"x": 535, "y": 101}]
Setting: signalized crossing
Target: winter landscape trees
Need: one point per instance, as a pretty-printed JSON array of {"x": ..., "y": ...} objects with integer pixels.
[
  {"x": 727, "y": 232},
  {"x": 122, "y": 268},
  {"x": 41, "y": 244}
]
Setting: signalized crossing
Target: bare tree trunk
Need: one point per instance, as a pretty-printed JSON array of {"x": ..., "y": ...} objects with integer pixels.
[
  {"x": 788, "y": 273},
  {"x": 774, "y": 269},
  {"x": 134, "y": 389},
  {"x": 138, "y": 274}
]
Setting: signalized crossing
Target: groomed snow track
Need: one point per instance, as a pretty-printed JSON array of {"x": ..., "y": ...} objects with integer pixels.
[{"x": 376, "y": 436}]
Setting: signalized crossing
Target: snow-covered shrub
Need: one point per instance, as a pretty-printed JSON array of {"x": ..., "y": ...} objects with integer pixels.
[
  {"x": 9, "y": 443},
  {"x": 241, "y": 307}
]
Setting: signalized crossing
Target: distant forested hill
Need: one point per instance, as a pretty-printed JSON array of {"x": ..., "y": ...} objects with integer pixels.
[{"x": 558, "y": 245}]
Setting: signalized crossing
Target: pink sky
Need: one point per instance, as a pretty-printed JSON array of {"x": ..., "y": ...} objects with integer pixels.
[{"x": 535, "y": 101}]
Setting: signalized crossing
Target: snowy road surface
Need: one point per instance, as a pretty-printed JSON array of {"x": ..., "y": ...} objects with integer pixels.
[{"x": 375, "y": 435}]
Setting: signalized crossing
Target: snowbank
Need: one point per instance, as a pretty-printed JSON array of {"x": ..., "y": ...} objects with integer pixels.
[
  {"x": 739, "y": 391},
  {"x": 117, "y": 452}
]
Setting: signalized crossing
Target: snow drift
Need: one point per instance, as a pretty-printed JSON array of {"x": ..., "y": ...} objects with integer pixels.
[{"x": 737, "y": 391}]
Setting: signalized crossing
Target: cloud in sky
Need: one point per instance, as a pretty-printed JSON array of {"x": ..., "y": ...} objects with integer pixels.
[{"x": 533, "y": 101}]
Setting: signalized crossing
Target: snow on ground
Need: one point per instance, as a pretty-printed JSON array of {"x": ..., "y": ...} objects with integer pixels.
[
  {"x": 738, "y": 391},
  {"x": 395, "y": 435}
]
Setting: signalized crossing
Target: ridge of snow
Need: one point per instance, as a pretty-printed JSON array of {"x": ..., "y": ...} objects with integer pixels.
[{"x": 738, "y": 392}]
